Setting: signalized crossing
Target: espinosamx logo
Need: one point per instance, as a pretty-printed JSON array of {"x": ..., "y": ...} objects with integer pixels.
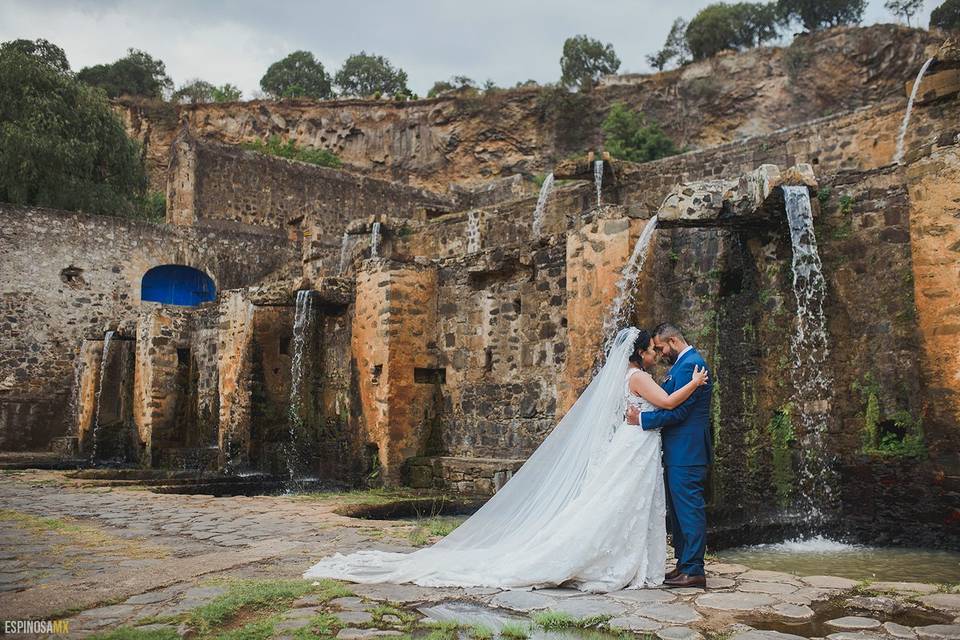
[{"x": 24, "y": 627}]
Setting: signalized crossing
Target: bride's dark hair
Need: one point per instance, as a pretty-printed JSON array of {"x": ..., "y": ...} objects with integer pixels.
[{"x": 642, "y": 343}]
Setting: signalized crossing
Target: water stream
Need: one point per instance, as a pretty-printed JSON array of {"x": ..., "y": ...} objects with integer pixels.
[
  {"x": 623, "y": 301},
  {"x": 303, "y": 321},
  {"x": 473, "y": 231},
  {"x": 104, "y": 360},
  {"x": 344, "y": 253},
  {"x": 375, "y": 240},
  {"x": 809, "y": 349},
  {"x": 898, "y": 156},
  {"x": 538, "y": 212},
  {"x": 598, "y": 179}
]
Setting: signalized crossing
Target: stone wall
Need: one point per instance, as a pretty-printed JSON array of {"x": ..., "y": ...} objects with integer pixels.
[
  {"x": 502, "y": 337},
  {"x": 862, "y": 140},
  {"x": 71, "y": 276}
]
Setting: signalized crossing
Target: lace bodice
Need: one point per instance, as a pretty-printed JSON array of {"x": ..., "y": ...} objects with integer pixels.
[{"x": 633, "y": 398}]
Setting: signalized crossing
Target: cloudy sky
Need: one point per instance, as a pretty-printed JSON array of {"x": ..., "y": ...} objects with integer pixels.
[{"x": 236, "y": 40}]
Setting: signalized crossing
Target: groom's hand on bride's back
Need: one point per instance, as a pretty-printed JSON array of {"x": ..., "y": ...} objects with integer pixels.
[{"x": 633, "y": 415}]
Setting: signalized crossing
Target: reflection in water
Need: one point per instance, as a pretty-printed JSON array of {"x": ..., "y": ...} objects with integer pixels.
[{"x": 819, "y": 556}]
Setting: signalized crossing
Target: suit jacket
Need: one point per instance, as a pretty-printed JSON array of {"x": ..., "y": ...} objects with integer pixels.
[{"x": 686, "y": 429}]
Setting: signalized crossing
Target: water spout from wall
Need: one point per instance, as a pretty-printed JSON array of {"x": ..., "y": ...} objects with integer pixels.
[
  {"x": 622, "y": 303},
  {"x": 104, "y": 360},
  {"x": 344, "y": 253},
  {"x": 598, "y": 179},
  {"x": 538, "y": 212},
  {"x": 375, "y": 240},
  {"x": 303, "y": 325},
  {"x": 809, "y": 348},
  {"x": 473, "y": 232},
  {"x": 898, "y": 156}
]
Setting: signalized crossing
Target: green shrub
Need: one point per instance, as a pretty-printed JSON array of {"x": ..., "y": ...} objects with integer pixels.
[
  {"x": 737, "y": 26},
  {"x": 275, "y": 146},
  {"x": 628, "y": 137}
]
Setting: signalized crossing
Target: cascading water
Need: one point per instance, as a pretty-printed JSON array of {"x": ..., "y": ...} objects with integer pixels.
[
  {"x": 598, "y": 179},
  {"x": 538, "y": 212},
  {"x": 628, "y": 279},
  {"x": 898, "y": 156},
  {"x": 809, "y": 348},
  {"x": 303, "y": 321},
  {"x": 344, "y": 253},
  {"x": 375, "y": 240},
  {"x": 473, "y": 232},
  {"x": 104, "y": 360}
]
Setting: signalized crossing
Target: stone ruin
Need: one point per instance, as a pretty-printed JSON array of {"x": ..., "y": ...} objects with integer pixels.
[{"x": 368, "y": 331}]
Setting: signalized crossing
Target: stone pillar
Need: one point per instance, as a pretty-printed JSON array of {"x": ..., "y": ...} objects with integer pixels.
[
  {"x": 935, "y": 246},
  {"x": 86, "y": 381},
  {"x": 393, "y": 335},
  {"x": 596, "y": 254},
  {"x": 234, "y": 357}
]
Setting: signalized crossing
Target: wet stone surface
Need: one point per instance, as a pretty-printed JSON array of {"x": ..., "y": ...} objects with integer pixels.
[{"x": 57, "y": 537}]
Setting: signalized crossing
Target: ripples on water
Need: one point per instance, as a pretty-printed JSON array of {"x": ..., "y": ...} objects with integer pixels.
[{"x": 820, "y": 555}]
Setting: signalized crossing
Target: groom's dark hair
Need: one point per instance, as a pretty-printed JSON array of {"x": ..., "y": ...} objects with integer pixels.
[{"x": 667, "y": 331}]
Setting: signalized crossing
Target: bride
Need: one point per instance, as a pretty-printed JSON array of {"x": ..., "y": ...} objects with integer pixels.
[{"x": 586, "y": 510}]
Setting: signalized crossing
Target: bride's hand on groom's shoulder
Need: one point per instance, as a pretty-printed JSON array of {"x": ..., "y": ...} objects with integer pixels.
[{"x": 700, "y": 375}]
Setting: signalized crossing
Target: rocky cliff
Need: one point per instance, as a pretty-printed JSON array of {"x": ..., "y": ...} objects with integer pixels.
[{"x": 469, "y": 139}]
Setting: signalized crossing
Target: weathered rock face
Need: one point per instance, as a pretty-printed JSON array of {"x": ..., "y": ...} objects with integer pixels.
[{"x": 433, "y": 143}]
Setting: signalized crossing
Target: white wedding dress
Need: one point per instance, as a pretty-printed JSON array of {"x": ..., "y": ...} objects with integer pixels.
[{"x": 587, "y": 510}]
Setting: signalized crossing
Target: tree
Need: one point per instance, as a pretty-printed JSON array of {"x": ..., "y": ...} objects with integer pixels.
[
  {"x": 819, "y": 14},
  {"x": 136, "y": 74},
  {"x": 200, "y": 91},
  {"x": 675, "y": 47},
  {"x": 905, "y": 9},
  {"x": 627, "y": 136},
  {"x": 227, "y": 93},
  {"x": 585, "y": 60},
  {"x": 730, "y": 26},
  {"x": 456, "y": 83},
  {"x": 364, "y": 74},
  {"x": 299, "y": 75},
  {"x": 946, "y": 16},
  {"x": 61, "y": 145},
  {"x": 44, "y": 50}
]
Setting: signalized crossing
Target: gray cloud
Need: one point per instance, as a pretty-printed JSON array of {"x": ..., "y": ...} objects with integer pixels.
[{"x": 504, "y": 40}]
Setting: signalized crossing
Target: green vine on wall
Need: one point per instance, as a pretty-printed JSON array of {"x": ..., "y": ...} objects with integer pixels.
[{"x": 783, "y": 436}]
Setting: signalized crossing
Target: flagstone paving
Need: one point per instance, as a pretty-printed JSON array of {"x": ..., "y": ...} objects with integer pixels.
[{"x": 109, "y": 557}]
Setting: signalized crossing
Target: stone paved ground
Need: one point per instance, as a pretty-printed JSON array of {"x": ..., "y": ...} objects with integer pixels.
[{"x": 108, "y": 557}]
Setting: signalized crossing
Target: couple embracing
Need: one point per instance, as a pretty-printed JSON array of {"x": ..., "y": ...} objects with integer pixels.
[{"x": 588, "y": 507}]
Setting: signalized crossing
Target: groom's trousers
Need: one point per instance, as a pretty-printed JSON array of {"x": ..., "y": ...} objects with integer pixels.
[{"x": 688, "y": 515}]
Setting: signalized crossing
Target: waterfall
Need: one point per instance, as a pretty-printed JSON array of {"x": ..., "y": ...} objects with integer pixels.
[
  {"x": 344, "y": 253},
  {"x": 104, "y": 360},
  {"x": 808, "y": 346},
  {"x": 473, "y": 232},
  {"x": 598, "y": 178},
  {"x": 898, "y": 156},
  {"x": 302, "y": 329},
  {"x": 374, "y": 239},
  {"x": 545, "y": 190},
  {"x": 628, "y": 280}
]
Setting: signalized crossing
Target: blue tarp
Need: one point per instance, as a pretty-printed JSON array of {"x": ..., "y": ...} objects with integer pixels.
[{"x": 177, "y": 284}]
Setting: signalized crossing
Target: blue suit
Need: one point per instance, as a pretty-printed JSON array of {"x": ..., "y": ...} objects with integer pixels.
[{"x": 687, "y": 451}]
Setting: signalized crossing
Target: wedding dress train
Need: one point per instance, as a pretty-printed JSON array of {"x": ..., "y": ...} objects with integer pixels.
[{"x": 587, "y": 510}]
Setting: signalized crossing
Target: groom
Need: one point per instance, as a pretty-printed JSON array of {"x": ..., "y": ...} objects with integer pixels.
[{"x": 686, "y": 454}]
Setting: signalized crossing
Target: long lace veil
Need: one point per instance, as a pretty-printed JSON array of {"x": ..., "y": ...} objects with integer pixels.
[
  {"x": 555, "y": 472},
  {"x": 550, "y": 478}
]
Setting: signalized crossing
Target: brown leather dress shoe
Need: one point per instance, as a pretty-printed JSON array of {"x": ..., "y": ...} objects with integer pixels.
[
  {"x": 673, "y": 573},
  {"x": 684, "y": 580}
]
